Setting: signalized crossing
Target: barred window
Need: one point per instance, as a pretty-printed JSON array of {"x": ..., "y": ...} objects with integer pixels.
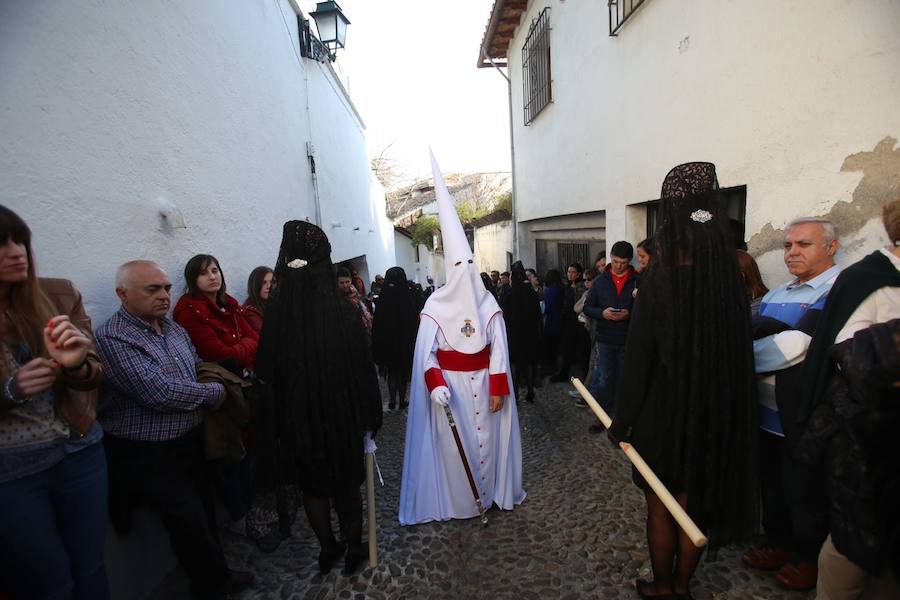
[
  {"x": 619, "y": 12},
  {"x": 536, "y": 79}
]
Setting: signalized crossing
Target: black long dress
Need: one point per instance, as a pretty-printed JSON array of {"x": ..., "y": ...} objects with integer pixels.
[
  {"x": 394, "y": 325},
  {"x": 687, "y": 400},
  {"x": 522, "y": 312}
]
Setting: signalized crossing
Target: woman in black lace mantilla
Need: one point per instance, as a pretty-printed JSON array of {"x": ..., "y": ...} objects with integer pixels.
[
  {"x": 687, "y": 397},
  {"x": 321, "y": 396}
]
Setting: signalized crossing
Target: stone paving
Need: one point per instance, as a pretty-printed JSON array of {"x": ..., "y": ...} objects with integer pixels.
[{"x": 579, "y": 534}]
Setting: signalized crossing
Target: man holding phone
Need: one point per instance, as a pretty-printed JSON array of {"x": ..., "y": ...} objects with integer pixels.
[{"x": 610, "y": 301}]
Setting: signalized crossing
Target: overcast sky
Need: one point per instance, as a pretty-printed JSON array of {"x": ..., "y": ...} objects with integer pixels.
[{"x": 410, "y": 66}]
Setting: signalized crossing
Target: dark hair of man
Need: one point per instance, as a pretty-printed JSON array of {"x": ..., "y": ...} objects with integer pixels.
[
  {"x": 196, "y": 265},
  {"x": 504, "y": 274},
  {"x": 254, "y": 285},
  {"x": 343, "y": 272},
  {"x": 28, "y": 309},
  {"x": 532, "y": 271},
  {"x": 622, "y": 249},
  {"x": 577, "y": 266},
  {"x": 600, "y": 256},
  {"x": 592, "y": 273}
]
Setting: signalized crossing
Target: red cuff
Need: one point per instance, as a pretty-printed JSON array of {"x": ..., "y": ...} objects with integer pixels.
[
  {"x": 434, "y": 378},
  {"x": 499, "y": 384}
]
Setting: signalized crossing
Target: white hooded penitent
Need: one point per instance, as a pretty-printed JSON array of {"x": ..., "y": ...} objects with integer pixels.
[{"x": 463, "y": 307}]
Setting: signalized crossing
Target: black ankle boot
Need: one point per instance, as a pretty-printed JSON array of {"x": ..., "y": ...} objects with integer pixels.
[
  {"x": 328, "y": 557},
  {"x": 355, "y": 559}
]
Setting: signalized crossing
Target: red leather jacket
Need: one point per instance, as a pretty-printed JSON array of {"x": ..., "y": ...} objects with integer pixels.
[{"x": 218, "y": 333}]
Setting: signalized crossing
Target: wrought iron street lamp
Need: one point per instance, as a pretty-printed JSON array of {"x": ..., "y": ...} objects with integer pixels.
[{"x": 331, "y": 24}]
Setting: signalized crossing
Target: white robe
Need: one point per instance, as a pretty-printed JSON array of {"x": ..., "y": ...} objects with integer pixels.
[{"x": 435, "y": 486}]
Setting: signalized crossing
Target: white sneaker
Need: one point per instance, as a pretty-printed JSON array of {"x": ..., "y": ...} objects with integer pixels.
[{"x": 574, "y": 394}]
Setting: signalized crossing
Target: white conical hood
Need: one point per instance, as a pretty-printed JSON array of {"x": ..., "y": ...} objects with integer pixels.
[
  {"x": 463, "y": 307},
  {"x": 453, "y": 237}
]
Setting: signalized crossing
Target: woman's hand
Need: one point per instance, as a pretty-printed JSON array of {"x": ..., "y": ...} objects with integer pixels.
[
  {"x": 496, "y": 403},
  {"x": 65, "y": 343},
  {"x": 35, "y": 376}
]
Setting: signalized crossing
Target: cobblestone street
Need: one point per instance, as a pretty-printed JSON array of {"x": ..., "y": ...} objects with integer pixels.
[{"x": 579, "y": 534}]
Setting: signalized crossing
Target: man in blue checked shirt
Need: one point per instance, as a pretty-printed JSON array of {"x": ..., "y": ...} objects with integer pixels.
[
  {"x": 782, "y": 333},
  {"x": 151, "y": 410}
]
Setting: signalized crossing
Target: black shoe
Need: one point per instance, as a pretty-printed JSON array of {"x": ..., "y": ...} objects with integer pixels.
[
  {"x": 391, "y": 406},
  {"x": 597, "y": 428},
  {"x": 327, "y": 558},
  {"x": 643, "y": 589},
  {"x": 355, "y": 559},
  {"x": 530, "y": 397},
  {"x": 558, "y": 379},
  {"x": 239, "y": 581}
]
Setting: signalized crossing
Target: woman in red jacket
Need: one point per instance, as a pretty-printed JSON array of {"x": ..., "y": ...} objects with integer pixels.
[
  {"x": 214, "y": 320},
  {"x": 220, "y": 333}
]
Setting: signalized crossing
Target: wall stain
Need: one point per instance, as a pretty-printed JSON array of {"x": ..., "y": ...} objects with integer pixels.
[{"x": 879, "y": 185}]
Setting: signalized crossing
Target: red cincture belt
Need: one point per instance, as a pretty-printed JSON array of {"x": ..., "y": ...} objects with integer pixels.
[{"x": 451, "y": 360}]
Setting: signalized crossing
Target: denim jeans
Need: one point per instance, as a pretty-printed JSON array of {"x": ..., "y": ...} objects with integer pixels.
[
  {"x": 53, "y": 527},
  {"x": 610, "y": 362}
]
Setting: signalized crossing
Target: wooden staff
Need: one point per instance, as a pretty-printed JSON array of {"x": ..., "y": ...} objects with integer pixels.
[
  {"x": 370, "y": 502},
  {"x": 465, "y": 461},
  {"x": 678, "y": 513}
]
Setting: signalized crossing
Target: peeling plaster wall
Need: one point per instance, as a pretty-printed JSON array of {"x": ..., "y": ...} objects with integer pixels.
[
  {"x": 795, "y": 100},
  {"x": 110, "y": 109}
]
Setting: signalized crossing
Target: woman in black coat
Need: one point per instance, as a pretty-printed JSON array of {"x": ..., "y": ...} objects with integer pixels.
[
  {"x": 394, "y": 328},
  {"x": 522, "y": 312}
]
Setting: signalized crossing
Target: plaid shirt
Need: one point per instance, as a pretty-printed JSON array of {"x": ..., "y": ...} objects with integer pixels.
[{"x": 150, "y": 390}]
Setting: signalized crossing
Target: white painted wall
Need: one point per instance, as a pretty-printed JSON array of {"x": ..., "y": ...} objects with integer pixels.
[
  {"x": 406, "y": 258},
  {"x": 776, "y": 94},
  {"x": 492, "y": 242},
  {"x": 109, "y": 109}
]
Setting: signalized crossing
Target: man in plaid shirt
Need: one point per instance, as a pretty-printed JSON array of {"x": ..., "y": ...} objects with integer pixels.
[{"x": 151, "y": 411}]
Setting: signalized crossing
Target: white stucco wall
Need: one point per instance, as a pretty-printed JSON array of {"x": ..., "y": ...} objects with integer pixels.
[
  {"x": 778, "y": 95},
  {"x": 406, "y": 258},
  {"x": 492, "y": 242},
  {"x": 108, "y": 110}
]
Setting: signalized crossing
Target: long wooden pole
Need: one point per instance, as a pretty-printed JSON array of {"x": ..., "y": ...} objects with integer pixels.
[
  {"x": 676, "y": 510},
  {"x": 370, "y": 501},
  {"x": 462, "y": 454}
]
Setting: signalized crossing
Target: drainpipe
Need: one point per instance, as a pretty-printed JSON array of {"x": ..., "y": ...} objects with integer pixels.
[{"x": 512, "y": 153}]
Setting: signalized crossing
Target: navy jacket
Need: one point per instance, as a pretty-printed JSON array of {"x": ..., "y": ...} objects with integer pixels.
[{"x": 601, "y": 296}]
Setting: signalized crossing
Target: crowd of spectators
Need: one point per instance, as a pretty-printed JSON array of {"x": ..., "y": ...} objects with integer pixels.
[{"x": 792, "y": 389}]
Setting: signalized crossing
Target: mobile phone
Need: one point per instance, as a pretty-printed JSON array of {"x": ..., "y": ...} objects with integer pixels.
[{"x": 615, "y": 309}]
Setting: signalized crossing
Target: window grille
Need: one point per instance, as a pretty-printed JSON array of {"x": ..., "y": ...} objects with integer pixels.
[
  {"x": 620, "y": 11},
  {"x": 573, "y": 252},
  {"x": 536, "y": 79}
]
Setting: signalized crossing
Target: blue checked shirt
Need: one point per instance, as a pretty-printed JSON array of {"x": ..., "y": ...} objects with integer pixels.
[
  {"x": 150, "y": 390},
  {"x": 788, "y": 303}
]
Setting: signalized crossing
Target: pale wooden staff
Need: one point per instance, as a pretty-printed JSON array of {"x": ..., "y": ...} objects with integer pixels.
[
  {"x": 370, "y": 501},
  {"x": 675, "y": 509}
]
